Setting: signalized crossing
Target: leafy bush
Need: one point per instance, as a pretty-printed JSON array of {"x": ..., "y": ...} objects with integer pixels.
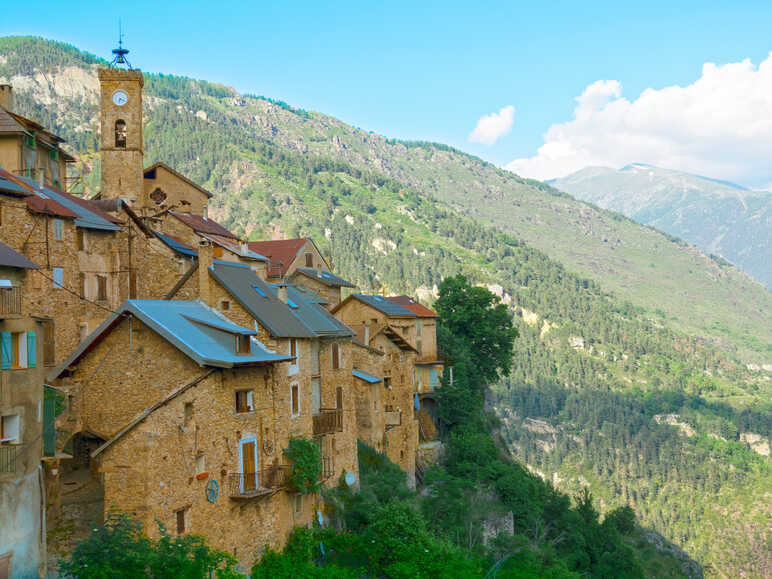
[{"x": 306, "y": 470}]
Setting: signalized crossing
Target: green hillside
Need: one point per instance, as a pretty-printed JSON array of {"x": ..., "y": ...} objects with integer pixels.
[
  {"x": 718, "y": 217},
  {"x": 606, "y": 390}
]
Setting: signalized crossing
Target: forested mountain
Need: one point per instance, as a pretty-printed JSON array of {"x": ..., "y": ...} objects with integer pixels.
[
  {"x": 630, "y": 371},
  {"x": 718, "y": 217}
]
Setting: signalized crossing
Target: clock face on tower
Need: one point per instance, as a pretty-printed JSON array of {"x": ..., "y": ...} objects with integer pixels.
[{"x": 120, "y": 98}]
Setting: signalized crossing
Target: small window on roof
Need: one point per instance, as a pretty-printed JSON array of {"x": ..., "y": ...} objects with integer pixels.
[
  {"x": 309, "y": 260},
  {"x": 243, "y": 345},
  {"x": 260, "y": 292},
  {"x": 292, "y": 304}
]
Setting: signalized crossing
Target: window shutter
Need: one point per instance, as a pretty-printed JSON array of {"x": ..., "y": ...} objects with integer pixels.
[
  {"x": 32, "y": 353},
  {"x": 335, "y": 357},
  {"x": 6, "y": 350}
]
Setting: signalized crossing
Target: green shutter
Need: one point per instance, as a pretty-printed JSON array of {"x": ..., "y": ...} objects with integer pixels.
[
  {"x": 6, "y": 350},
  {"x": 49, "y": 424},
  {"x": 32, "y": 352}
]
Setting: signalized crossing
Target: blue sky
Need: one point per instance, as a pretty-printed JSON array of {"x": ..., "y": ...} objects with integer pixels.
[{"x": 421, "y": 70}]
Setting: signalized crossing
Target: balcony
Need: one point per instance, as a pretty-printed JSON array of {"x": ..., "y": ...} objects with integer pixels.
[
  {"x": 393, "y": 417},
  {"x": 8, "y": 456},
  {"x": 328, "y": 421},
  {"x": 10, "y": 301},
  {"x": 251, "y": 485}
]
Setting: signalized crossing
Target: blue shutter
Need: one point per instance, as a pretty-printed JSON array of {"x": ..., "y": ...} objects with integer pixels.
[
  {"x": 6, "y": 349},
  {"x": 32, "y": 351},
  {"x": 417, "y": 402}
]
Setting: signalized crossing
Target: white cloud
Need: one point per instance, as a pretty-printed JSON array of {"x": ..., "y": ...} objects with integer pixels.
[
  {"x": 719, "y": 126},
  {"x": 492, "y": 127}
]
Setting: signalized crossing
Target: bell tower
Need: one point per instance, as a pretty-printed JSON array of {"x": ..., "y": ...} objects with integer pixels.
[{"x": 121, "y": 124}]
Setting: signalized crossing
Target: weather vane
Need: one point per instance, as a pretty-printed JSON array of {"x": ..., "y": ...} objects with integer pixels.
[{"x": 120, "y": 52}]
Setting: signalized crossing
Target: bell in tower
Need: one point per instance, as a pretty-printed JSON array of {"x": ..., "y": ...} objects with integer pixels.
[{"x": 120, "y": 142}]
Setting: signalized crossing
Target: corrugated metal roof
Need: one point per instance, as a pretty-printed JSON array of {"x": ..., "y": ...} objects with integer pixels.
[
  {"x": 8, "y": 186},
  {"x": 365, "y": 377},
  {"x": 260, "y": 300},
  {"x": 384, "y": 305},
  {"x": 325, "y": 277},
  {"x": 11, "y": 258},
  {"x": 233, "y": 245},
  {"x": 199, "y": 224},
  {"x": 195, "y": 330},
  {"x": 410, "y": 304}
]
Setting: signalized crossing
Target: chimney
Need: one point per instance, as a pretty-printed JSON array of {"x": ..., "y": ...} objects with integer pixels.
[
  {"x": 205, "y": 259},
  {"x": 6, "y": 97},
  {"x": 281, "y": 292}
]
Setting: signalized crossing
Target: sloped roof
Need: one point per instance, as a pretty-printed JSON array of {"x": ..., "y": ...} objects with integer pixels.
[
  {"x": 235, "y": 246},
  {"x": 366, "y": 377},
  {"x": 201, "y": 225},
  {"x": 380, "y": 303},
  {"x": 260, "y": 300},
  {"x": 52, "y": 200},
  {"x": 180, "y": 176},
  {"x": 317, "y": 319},
  {"x": 176, "y": 244},
  {"x": 198, "y": 332},
  {"x": 11, "y": 258},
  {"x": 281, "y": 252},
  {"x": 410, "y": 304},
  {"x": 9, "y": 186},
  {"x": 325, "y": 277}
]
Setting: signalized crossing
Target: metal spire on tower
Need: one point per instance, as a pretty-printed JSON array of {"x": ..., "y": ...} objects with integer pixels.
[{"x": 120, "y": 52}]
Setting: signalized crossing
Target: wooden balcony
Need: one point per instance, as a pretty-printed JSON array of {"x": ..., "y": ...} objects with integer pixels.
[
  {"x": 328, "y": 421},
  {"x": 251, "y": 485},
  {"x": 393, "y": 417},
  {"x": 8, "y": 456},
  {"x": 10, "y": 301}
]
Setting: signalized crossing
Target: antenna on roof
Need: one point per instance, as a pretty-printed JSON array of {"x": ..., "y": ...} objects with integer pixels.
[{"x": 120, "y": 52}]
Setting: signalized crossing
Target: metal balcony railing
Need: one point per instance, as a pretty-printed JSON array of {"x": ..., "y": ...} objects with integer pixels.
[
  {"x": 247, "y": 485},
  {"x": 8, "y": 456},
  {"x": 328, "y": 421},
  {"x": 10, "y": 301}
]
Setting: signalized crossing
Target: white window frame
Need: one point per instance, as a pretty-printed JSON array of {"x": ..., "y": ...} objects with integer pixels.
[
  {"x": 295, "y": 414},
  {"x": 16, "y": 431}
]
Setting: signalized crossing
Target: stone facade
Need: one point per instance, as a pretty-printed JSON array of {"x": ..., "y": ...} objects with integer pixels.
[
  {"x": 163, "y": 188},
  {"x": 120, "y": 143}
]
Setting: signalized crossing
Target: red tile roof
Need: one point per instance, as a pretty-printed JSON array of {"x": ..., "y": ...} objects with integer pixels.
[
  {"x": 410, "y": 304},
  {"x": 281, "y": 252},
  {"x": 198, "y": 223}
]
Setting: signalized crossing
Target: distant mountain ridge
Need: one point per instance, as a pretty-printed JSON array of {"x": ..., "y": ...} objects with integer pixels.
[{"x": 719, "y": 217}]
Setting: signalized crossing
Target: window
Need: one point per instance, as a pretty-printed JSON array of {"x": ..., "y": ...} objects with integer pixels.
[
  {"x": 101, "y": 288},
  {"x": 58, "y": 230},
  {"x": 58, "y": 276},
  {"x": 418, "y": 328},
  {"x": 309, "y": 260},
  {"x": 181, "y": 515},
  {"x": 9, "y": 428},
  {"x": 200, "y": 463},
  {"x": 217, "y": 251},
  {"x": 82, "y": 285},
  {"x": 387, "y": 382},
  {"x": 225, "y": 305},
  {"x": 293, "y": 347},
  {"x": 54, "y": 155},
  {"x": 19, "y": 350},
  {"x": 260, "y": 292},
  {"x": 292, "y": 304},
  {"x": 49, "y": 343},
  {"x": 339, "y": 398},
  {"x": 294, "y": 399},
  {"x": 158, "y": 196},
  {"x": 31, "y": 140},
  {"x": 244, "y": 402},
  {"x": 298, "y": 505},
  {"x": 187, "y": 413},
  {"x": 120, "y": 134},
  {"x": 81, "y": 236},
  {"x": 243, "y": 347},
  {"x": 335, "y": 355}
]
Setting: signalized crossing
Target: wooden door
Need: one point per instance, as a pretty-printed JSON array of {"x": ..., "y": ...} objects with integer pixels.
[{"x": 248, "y": 465}]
